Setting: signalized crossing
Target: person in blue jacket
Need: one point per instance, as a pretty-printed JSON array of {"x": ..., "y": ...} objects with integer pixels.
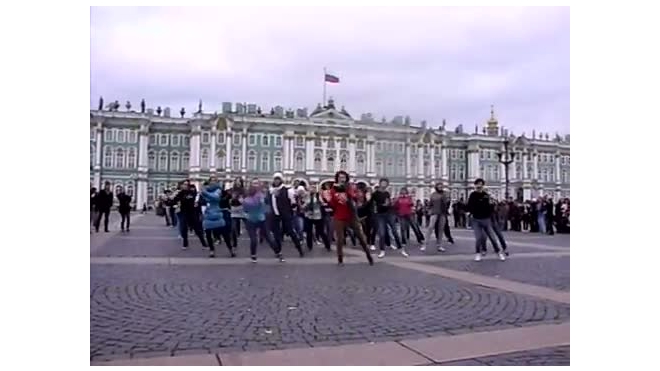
[{"x": 214, "y": 222}]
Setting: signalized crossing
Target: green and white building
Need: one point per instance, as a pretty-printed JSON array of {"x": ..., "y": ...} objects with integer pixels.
[{"x": 148, "y": 152}]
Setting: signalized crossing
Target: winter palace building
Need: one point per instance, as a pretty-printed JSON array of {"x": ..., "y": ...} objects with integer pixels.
[{"x": 149, "y": 151}]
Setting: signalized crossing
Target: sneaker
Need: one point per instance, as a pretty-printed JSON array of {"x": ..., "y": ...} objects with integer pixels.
[
  {"x": 212, "y": 254},
  {"x": 483, "y": 253},
  {"x": 381, "y": 254},
  {"x": 422, "y": 248},
  {"x": 281, "y": 258},
  {"x": 372, "y": 248},
  {"x": 477, "y": 257},
  {"x": 254, "y": 259},
  {"x": 404, "y": 253},
  {"x": 506, "y": 252},
  {"x": 441, "y": 249},
  {"x": 392, "y": 247},
  {"x": 502, "y": 257},
  {"x": 184, "y": 248}
]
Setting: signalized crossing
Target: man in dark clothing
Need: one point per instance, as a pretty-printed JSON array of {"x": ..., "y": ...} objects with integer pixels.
[
  {"x": 385, "y": 217},
  {"x": 103, "y": 201},
  {"x": 549, "y": 216},
  {"x": 188, "y": 214},
  {"x": 281, "y": 199},
  {"x": 480, "y": 207},
  {"x": 124, "y": 209}
]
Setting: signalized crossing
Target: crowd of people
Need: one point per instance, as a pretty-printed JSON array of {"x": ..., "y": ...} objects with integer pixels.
[{"x": 370, "y": 217}]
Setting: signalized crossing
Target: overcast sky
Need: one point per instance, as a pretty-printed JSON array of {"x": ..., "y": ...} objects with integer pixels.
[{"x": 429, "y": 63}]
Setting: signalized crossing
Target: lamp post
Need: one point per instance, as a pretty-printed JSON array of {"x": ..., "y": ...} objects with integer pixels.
[{"x": 506, "y": 159}]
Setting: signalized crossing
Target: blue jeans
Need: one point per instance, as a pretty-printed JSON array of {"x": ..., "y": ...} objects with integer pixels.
[
  {"x": 298, "y": 225},
  {"x": 384, "y": 221},
  {"x": 541, "y": 221},
  {"x": 252, "y": 228},
  {"x": 483, "y": 228}
]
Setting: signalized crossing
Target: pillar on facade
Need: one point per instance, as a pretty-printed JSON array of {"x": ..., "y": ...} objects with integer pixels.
[
  {"x": 214, "y": 150},
  {"x": 244, "y": 150}
]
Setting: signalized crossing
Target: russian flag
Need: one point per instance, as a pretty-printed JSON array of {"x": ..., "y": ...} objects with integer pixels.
[{"x": 331, "y": 78}]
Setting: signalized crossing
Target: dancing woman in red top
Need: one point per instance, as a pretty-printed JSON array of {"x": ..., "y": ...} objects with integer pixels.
[{"x": 342, "y": 201}]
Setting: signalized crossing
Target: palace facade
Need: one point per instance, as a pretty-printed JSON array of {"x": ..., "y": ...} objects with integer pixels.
[{"x": 147, "y": 152}]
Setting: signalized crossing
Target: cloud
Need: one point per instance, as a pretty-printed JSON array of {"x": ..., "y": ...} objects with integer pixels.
[{"x": 430, "y": 63}]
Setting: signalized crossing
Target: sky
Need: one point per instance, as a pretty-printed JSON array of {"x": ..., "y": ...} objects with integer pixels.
[{"x": 431, "y": 63}]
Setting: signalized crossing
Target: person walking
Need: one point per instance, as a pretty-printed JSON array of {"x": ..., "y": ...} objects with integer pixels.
[
  {"x": 124, "y": 209},
  {"x": 438, "y": 211},
  {"x": 187, "y": 215},
  {"x": 214, "y": 222},
  {"x": 281, "y": 200},
  {"x": 403, "y": 206},
  {"x": 104, "y": 200},
  {"x": 385, "y": 218},
  {"x": 479, "y": 206},
  {"x": 92, "y": 206},
  {"x": 254, "y": 207},
  {"x": 313, "y": 212}
]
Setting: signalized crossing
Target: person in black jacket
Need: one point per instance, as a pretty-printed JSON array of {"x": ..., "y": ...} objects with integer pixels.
[
  {"x": 103, "y": 202},
  {"x": 282, "y": 198},
  {"x": 92, "y": 205},
  {"x": 187, "y": 214},
  {"x": 124, "y": 208},
  {"x": 479, "y": 206}
]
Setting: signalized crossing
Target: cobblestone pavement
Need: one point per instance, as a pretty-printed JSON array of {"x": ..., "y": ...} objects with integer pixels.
[
  {"x": 154, "y": 310},
  {"x": 175, "y": 310},
  {"x": 558, "y": 356},
  {"x": 553, "y": 272}
]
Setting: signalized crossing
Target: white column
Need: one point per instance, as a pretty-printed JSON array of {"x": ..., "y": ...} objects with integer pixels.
[
  {"x": 432, "y": 162},
  {"x": 351, "y": 156},
  {"x": 228, "y": 154},
  {"x": 337, "y": 162},
  {"x": 140, "y": 194},
  {"x": 309, "y": 153},
  {"x": 194, "y": 150},
  {"x": 143, "y": 151},
  {"x": 420, "y": 161},
  {"x": 557, "y": 170},
  {"x": 244, "y": 151},
  {"x": 292, "y": 152},
  {"x": 99, "y": 145},
  {"x": 408, "y": 162},
  {"x": 324, "y": 156},
  {"x": 536, "y": 167},
  {"x": 214, "y": 138},
  {"x": 525, "y": 172},
  {"x": 445, "y": 164},
  {"x": 370, "y": 159}
]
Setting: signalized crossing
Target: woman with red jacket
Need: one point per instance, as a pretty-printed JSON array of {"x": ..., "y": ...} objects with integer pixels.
[
  {"x": 404, "y": 209},
  {"x": 342, "y": 201}
]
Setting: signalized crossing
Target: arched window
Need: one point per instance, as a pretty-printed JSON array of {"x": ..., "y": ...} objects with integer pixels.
[
  {"x": 277, "y": 161},
  {"x": 107, "y": 156},
  {"x": 185, "y": 161},
  {"x": 152, "y": 160},
  {"x": 518, "y": 172},
  {"x": 379, "y": 167},
  {"x": 220, "y": 161},
  {"x": 461, "y": 172},
  {"x": 120, "y": 136},
  {"x": 300, "y": 161},
  {"x": 174, "y": 161},
  {"x": 389, "y": 169},
  {"x": 496, "y": 172},
  {"x": 132, "y": 136},
  {"x": 252, "y": 161},
  {"x": 162, "y": 161},
  {"x": 265, "y": 161},
  {"x": 317, "y": 160},
  {"x": 236, "y": 160},
  {"x": 119, "y": 157},
  {"x": 452, "y": 172},
  {"x": 151, "y": 194},
  {"x": 343, "y": 161},
  {"x": 205, "y": 158},
  {"x": 360, "y": 164},
  {"x": 413, "y": 165},
  {"x": 331, "y": 163},
  {"x": 92, "y": 155},
  {"x": 131, "y": 158},
  {"x": 530, "y": 171},
  {"x": 129, "y": 189},
  {"x": 427, "y": 168},
  {"x": 401, "y": 168}
]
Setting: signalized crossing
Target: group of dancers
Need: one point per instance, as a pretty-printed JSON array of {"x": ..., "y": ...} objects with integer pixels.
[{"x": 309, "y": 216}]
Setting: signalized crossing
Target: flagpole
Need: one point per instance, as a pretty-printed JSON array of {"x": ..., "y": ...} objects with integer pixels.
[{"x": 324, "y": 85}]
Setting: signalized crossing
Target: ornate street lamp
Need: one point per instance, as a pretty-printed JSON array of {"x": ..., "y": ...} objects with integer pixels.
[{"x": 506, "y": 158}]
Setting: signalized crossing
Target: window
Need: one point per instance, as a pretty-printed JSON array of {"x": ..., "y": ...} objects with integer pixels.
[
  {"x": 186, "y": 140},
  {"x": 482, "y": 155},
  {"x": 237, "y": 139},
  {"x": 151, "y": 193},
  {"x": 131, "y": 158},
  {"x": 265, "y": 162},
  {"x": 564, "y": 176},
  {"x": 206, "y": 137},
  {"x": 518, "y": 172},
  {"x": 205, "y": 158},
  {"x": 343, "y": 161},
  {"x": 482, "y": 173},
  {"x": 107, "y": 156},
  {"x": 488, "y": 154},
  {"x": 163, "y": 139},
  {"x": 331, "y": 143},
  {"x": 129, "y": 189},
  {"x": 92, "y": 154},
  {"x": 264, "y": 140},
  {"x": 427, "y": 168},
  {"x": 277, "y": 161},
  {"x": 452, "y": 172},
  {"x": 318, "y": 143},
  {"x": 568, "y": 160},
  {"x": 544, "y": 175},
  {"x": 461, "y": 155},
  {"x": 92, "y": 134},
  {"x": 220, "y": 159},
  {"x": 152, "y": 139},
  {"x": 552, "y": 174},
  {"x": 360, "y": 144},
  {"x": 496, "y": 172},
  {"x": 400, "y": 146},
  {"x": 252, "y": 139},
  {"x": 438, "y": 165},
  {"x": 176, "y": 140},
  {"x": 317, "y": 161},
  {"x": 331, "y": 163},
  {"x": 413, "y": 165},
  {"x": 401, "y": 168},
  {"x": 236, "y": 160},
  {"x": 552, "y": 159},
  {"x": 461, "y": 172},
  {"x": 221, "y": 138},
  {"x": 174, "y": 161},
  {"x": 120, "y": 136},
  {"x": 530, "y": 171},
  {"x": 252, "y": 161},
  {"x": 342, "y": 143},
  {"x": 152, "y": 160},
  {"x": 300, "y": 161},
  {"x": 132, "y": 136},
  {"x": 185, "y": 161},
  {"x": 300, "y": 141},
  {"x": 452, "y": 154},
  {"x": 379, "y": 166},
  {"x": 107, "y": 135},
  {"x": 360, "y": 164},
  {"x": 389, "y": 145},
  {"x": 162, "y": 161}
]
